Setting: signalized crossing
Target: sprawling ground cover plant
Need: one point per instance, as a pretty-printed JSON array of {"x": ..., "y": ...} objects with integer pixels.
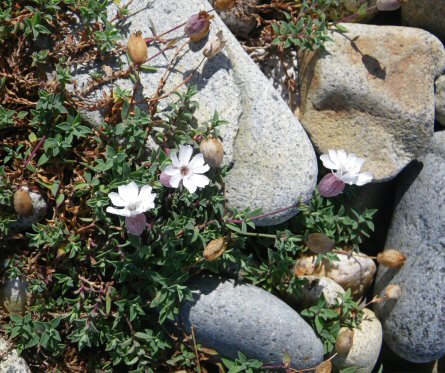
[{"x": 103, "y": 290}]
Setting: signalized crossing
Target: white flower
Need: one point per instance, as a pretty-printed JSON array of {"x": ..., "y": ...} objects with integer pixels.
[
  {"x": 187, "y": 171},
  {"x": 347, "y": 167},
  {"x": 132, "y": 201}
]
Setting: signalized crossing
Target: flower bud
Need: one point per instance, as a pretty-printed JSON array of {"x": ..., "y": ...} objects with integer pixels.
[
  {"x": 224, "y": 5},
  {"x": 213, "y": 151},
  {"x": 137, "y": 48},
  {"x": 214, "y": 46},
  {"x": 324, "y": 367},
  {"x": 215, "y": 249},
  {"x": 23, "y": 205},
  {"x": 136, "y": 224},
  {"x": 319, "y": 243},
  {"x": 330, "y": 186},
  {"x": 198, "y": 26},
  {"x": 344, "y": 341},
  {"x": 393, "y": 291},
  {"x": 388, "y": 5},
  {"x": 391, "y": 258}
]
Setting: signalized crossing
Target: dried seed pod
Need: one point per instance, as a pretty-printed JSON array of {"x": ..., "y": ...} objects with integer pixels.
[
  {"x": 393, "y": 291},
  {"x": 324, "y": 367},
  {"x": 215, "y": 249},
  {"x": 214, "y": 46},
  {"x": 388, "y": 5},
  {"x": 137, "y": 48},
  {"x": 198, "y": 26},
  {"x": 391, "y": 258},
  {"x": 319, "y": 243},
  {"x": 23, "y": 203},
  {"x": 224, "y": 5},
  {"x": 213, "y": 151},
  {"x": 344, "y": 341}
]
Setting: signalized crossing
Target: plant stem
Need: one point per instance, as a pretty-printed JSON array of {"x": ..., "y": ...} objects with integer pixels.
[
  {"x": 239, "y": 221},
  {"x": 33, "y": 153}
]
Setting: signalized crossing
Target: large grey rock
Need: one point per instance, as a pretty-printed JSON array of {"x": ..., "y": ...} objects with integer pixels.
[
  {"x": 231, "y": 317},
  {"x": 274, "y": 162},
  {"x": 428, "y": 15},
  {"x": 440, "y": 100},
  {"x": 372, "y": 93},
  {"x": 414, "y": 324},
  {"x": 10, "y": 362}
]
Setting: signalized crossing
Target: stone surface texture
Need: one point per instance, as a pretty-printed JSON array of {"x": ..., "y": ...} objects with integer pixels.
[
  {"x": 428, "y": 15},
  {"x": 366, "y": 345},
  {"x": 414, "y": 324},
  {"x": 260, "y": 128},
  {"x": 356, "y": 272},
  {"x": 231, "y": 317},
  {"x": 440, "y": 100},
  {"x": 10, "y": 362},
  {"x": 315, "y": 287},
  {"x": 372, "y": 93}
]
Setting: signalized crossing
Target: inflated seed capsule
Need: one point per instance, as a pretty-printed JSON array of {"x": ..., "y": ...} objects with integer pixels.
[
  {"x": 344, "y": 341},
  {"x": 215, "y": 249},
  {"x": 213, "y": 151},
  {"x": 393, "y": 291},
  {"x": 198, "y": 26},
  {"x": 23, "y": 203},
  {"x": 137, "y": 48},
  {"x": 324, "y": 367},
  {"x": 391, "y": 258},
  {"x": 224, "y": 5},
  {"x": 319, "y": 243}
]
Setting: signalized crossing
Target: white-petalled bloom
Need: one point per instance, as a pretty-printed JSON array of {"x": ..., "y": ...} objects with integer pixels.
[
  {"x": 187, "y": 170},
  {"x": 346, "y": 167},
  {"x": 132, "y": 201}
]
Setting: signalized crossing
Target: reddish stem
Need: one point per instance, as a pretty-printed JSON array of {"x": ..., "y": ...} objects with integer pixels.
[{"x": 33, "y": 153}]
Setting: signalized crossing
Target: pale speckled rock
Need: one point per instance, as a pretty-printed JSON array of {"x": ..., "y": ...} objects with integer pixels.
[
  {"x": 356, "y": 272},
  {"x": 10, "y": 362},
  {"x": 241, "y": 18},
  {"x": 440, "y": 100},
  {"x": 414, "y": 324},
  {"x": 315, "y": 287},
  {"x": 231, "y": 317},
  {"x": 372, "y": 93},
  {"x": 40, "y": 208},
  {"x": 261, "y": 126},
  {"x": 428, "y": 15},
  {"x": 366, "y": 345}
]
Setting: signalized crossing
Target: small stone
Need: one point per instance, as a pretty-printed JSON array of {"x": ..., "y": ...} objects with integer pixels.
[
  {"x": 344, "y": 342},
  {"x": 366, "y": 345},
  {"x": 440, "y": 100},
  {"x": 314, "y": 287},
  {"x": 13, "y": 296},
  {"x": 39, "y": 210},
  {"x": 10, "y": 362},
  {"x": 355, "y": 273},
  {"x": 371, "y": 93},
  {"x": 230, "y": 317}
]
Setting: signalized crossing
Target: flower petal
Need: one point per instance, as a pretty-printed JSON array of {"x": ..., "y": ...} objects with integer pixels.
[
  {"x": 197, "y": 161},
  {"x": 200, "y": 170},
  {"x": 116, "y": 200},
  {"x": 185, "y": 153},
  {"x": 165, "y": 180},
  {"x": 199, "y": 180},
  {"x": 175, "y": 160},
  {"x": 189, "y": 184},
  {"x": 129, "y": 193},
  {"x": 147, "y": 204},
  {"x": 172, "y": 170},
  {"x": 347, "y": 177},
  {"x": 334, "y": 158},
  {"x": 327, "y": 162},
  {"x": 364, "y": 178},
  {"x": 175, "y": 180},
  {"x": 121, "y": 212},
  {"x": 145, "y": 193},
  {"x": 342, "y": 157}
]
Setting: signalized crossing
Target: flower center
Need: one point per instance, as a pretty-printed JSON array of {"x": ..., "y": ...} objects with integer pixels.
[
  {"x": 184, "y": 170},
  {"x": 133, "y": 206}
]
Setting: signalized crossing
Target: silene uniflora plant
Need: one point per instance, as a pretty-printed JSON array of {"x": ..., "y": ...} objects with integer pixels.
[{"x": 100, "y": 232}]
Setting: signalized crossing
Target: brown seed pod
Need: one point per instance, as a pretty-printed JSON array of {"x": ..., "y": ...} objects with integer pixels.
[
  {"x": 224, "y": 5},
  {"x": 391, "y": 258},
  {"x": 198, "y": 26},
  {"x": 215, "y": 249},
  {"x": 319, "y": 243},
  {"x": 213, "y": 151},
  {"x": 137, "y": 48},
  {"x": 324, "y": 367},
  {"x": 344, "y": 341},
  {"x": 393, "y": 291},
  {"x": 23, "y": 203}
]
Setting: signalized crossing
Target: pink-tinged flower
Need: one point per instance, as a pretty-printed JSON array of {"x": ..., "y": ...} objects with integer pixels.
[
  {"x": 132, "y": 201},
  {"x": 136, "y": 224},
  {"x": 187, "y": 170},
  {"x": 331, "y": 186},
  {"x": 165, "y": 180},
  {"x": 345, "y": 170}
]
